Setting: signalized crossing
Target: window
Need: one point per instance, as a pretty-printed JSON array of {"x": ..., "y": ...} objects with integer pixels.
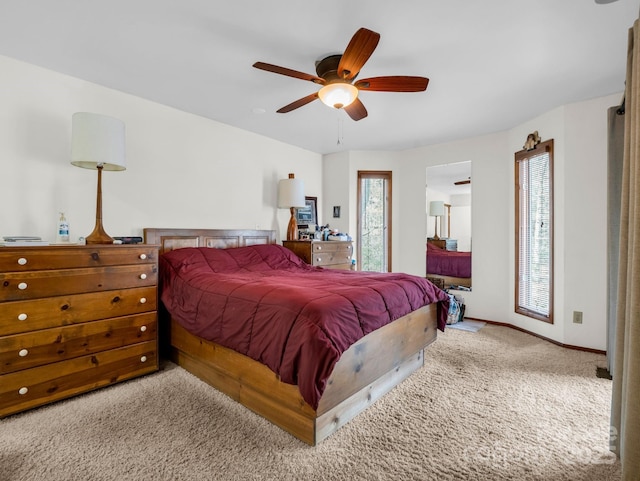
[
  {"x": 374, "y": 221},
  {"x": 534, "y": 232}
]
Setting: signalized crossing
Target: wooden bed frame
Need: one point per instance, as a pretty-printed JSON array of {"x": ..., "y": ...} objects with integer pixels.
[
  {"x": 449, "y": 281},
  {"x": 365, "y": 372}
]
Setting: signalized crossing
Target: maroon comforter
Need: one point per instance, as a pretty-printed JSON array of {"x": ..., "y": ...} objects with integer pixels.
[
  {"x": 448, "y": 263},
  {"x": 266, "y": 303}
]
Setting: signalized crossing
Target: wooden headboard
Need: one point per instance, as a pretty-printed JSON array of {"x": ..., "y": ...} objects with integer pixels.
[{"x": 170, "y": 239}]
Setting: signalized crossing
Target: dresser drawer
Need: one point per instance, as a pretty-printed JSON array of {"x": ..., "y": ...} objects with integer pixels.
[
  {"x": 31, "y": 315},
  {"x": 332, "y": 246},
  {"x": 332, "y": 259},
  {"x": 37, "y": 284},
  {"x": 18, "y": 259},
  {"x": 22, "y": 351},
  {"x": 332, "y": 254},
  {"x": 40, "y": 385}
]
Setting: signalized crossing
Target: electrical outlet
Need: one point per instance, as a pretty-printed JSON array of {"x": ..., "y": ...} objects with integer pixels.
[{"x": 577, "y": 317}]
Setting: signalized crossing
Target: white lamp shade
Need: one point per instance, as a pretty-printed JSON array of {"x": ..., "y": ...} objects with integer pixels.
[
  {"x": 338, "y": 95},
  {"x": 290, "y": 193},
  {"x": 436, "y": 207},
  {"x": 97, "y": 140}
]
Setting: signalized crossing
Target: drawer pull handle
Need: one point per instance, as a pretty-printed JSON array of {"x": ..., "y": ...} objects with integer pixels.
[
  {"x": 143, "y": 300},
  {"x": 143, "y": 256},
  {"x": 116, "y": 299},
  {"x": 22, "y": 316},
  {"x": 22, "y": 261},
  {"x": 95, "y": 256},
  {"x": 319, "y": 248},
  {"x": 23, "y": 353},
  {"x": 143, "y": 276},
  {"x": 64, "y": 307},
  {"x": 22, "y": 286},
  {"x": 143, "y": 328},
  {"x": 23, "y": 390},
  {"x": 143, "y": 359}
]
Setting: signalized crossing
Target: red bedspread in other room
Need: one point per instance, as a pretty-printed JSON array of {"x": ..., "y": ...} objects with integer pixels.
[
  {"x": 448, "y": 263},
  {"x": 266, "y": 303}
]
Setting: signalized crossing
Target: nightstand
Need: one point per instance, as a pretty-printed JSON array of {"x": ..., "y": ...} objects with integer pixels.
[
  {"x": 73, "y": 319},
  {"x": 447, "y": 244},
  {"x": 441, "y": 243},
  {"x": 330, "y": 254}
]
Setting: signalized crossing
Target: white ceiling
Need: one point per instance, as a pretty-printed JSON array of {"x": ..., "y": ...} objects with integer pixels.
[
  {"x": 491, "y": 64},
  {"x": 442, "y": 178}
]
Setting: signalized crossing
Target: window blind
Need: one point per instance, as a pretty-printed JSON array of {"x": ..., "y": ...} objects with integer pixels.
[{"x": 535, "y": 235}]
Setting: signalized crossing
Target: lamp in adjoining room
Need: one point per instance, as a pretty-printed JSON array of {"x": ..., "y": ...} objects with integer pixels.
[
  {"x": 291, "y": 196},
  {"x": 97, "y": 142},
  {"x": 436, "y": 209}
]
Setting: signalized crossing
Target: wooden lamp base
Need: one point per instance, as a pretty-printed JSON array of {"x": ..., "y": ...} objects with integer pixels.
[
  {"x": 292, "y": 228},
  {"x": 99, "y": 236}
]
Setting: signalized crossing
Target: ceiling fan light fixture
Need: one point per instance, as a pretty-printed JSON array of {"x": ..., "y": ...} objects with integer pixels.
[{"x": 338, "y": 95}]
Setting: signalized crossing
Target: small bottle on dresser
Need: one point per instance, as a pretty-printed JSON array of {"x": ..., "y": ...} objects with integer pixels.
[{"x": 63, "y": 230}]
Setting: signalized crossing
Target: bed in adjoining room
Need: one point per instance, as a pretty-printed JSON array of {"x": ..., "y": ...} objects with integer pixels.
[
  {"x": 453, "y": 267},
  {"x": 305, "y": 347}
]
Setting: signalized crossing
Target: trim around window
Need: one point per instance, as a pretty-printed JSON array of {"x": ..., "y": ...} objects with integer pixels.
[{"x": 534, "y": 232}]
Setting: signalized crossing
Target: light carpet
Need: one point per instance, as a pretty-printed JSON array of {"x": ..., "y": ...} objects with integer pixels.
[{"x": 493, "y": 405}]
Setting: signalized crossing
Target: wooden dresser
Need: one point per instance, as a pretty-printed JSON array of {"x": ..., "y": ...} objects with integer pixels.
[
  {"x": 331, "y": 254},
  {"x": 447, "y": 244},
  {"x": 73, "y": 319}
]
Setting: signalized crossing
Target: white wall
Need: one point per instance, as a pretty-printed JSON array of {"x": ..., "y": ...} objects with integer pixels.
[
  {"x": 182, "y": 170},
  {"x": 461, "y": 226},
  {"x": 489, "y": 206},
  {"x": 341, "y": 188},
  {"x": 187, "y": 171},
  {"x": 580, "y": 141},
  {"x": 336, "y": 192},
  {"x": 580, "y": 200},
  {"x": 585, "y": 198}
]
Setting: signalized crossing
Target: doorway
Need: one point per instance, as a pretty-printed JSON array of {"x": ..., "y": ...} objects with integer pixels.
[{"x": 374, "y": 221}]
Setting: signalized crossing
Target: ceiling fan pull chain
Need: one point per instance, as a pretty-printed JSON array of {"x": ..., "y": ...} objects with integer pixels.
[{"x": 340, "y": 131}]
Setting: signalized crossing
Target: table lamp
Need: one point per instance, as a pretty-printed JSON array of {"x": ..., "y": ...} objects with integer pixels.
[
  {"x": 436, "y": 209},
  {"x": 97, "y": 142},
  {"x": 291, "y": 196}
]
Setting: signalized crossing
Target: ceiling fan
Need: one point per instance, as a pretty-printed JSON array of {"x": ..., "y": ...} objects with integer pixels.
[{"x": 336, "y": 74}]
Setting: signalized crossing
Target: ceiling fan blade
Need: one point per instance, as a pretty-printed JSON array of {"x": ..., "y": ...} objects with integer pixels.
[
  {"x": 395, "y": 83},
  {"x": 298, "y": 103},
  {"x": 462, "y": 182},
  {"x": 356, "y": 110},
  {"x": 288, "y": 72},
  {"x": 360, "y": 48}
]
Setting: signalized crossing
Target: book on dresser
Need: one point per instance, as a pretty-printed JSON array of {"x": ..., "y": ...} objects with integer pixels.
[{"x": 73, "y": 319}]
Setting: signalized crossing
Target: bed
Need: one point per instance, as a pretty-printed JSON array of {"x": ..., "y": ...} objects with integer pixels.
[
  {"x": 453, "y": 267},
  {"x": 356, "y": 375}
]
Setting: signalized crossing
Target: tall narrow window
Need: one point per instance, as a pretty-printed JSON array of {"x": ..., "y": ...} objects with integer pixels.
[
  {"x": 374, "y": 221},
  {"x": 534, "y": 232}
]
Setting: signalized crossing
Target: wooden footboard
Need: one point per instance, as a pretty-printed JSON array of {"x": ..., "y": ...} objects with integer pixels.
[
  {"x": 451, "y": 281},
  {"x": 365, "y": 372}
]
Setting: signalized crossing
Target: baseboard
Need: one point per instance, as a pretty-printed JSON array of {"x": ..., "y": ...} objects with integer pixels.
[{"x": 568, "y": 346}]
